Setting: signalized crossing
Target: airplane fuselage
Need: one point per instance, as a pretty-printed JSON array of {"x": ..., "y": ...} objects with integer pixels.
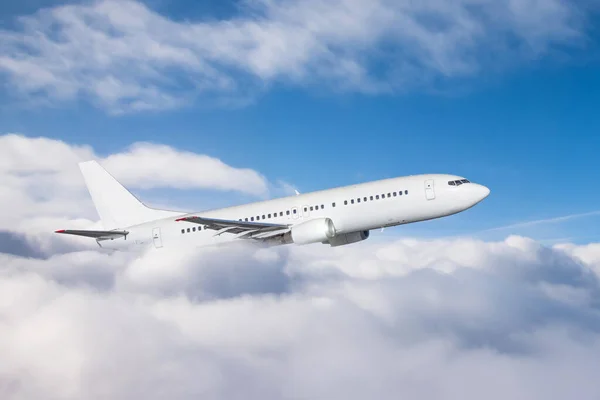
[{"x": 354, "y": 210}]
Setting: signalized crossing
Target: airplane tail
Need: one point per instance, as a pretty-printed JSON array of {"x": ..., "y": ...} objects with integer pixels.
[{"x": 116, "y": 206}]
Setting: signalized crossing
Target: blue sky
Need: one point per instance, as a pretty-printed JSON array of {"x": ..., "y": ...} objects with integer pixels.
[{"x": 525, "y": 125}]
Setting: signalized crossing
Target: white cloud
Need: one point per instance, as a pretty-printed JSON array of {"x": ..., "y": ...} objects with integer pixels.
[
  {"x": 279, "y": 323},
  {"x": 42, "y": 185},
  {"x": 386, "y": 319},
  {"x": 147, "y": 165},
  {"x": 124, "y": 56},
  {"x": 588, "y": 254}
]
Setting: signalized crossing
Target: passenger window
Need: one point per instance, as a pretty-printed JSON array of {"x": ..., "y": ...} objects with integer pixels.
[
  {"x": 281, "y": 214},
  {"x": 252, "y": 219},
  {"x": 294, "y": 211},
  {"x": 269, "y": 216},
  {"x": 263, "y": 217},
  {"x": 400, "y": 193},
  {"x": 194, "y": 229},
  {"x": 188, "y": 230},
  {"x": 406, "y": 192},
  {"x": 322, "y": 206},
  {"x": 365, "y": 198},
  {"x": 287, "y": 212},
  {"x": 358, "y": 200},
  {"x": 246, "y": 219},
  {"x": 183, "y": 231},
  {"x": 333, "y": 204},
  {"x": 389, "y": 195},
  {"x": 371, "y": 198},
  {"x": 345, "y": 202},
  {"x": 310, "y": 209},
  {"x": 352, "y": 201},
  {"x": 306, "y": 209},
  {"x": 394, "y": 194},
  {"x": 377, "y": 197}
]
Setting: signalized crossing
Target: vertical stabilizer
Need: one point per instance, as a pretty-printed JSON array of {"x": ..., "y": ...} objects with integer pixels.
[{"x": 116, "y": 206}]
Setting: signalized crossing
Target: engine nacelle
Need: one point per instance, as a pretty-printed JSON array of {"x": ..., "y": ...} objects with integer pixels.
[
  {"x": 348, "y": 238},
  {"x": 313, "y": 231}
]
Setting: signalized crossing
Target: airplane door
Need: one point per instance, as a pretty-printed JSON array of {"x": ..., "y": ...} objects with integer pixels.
[
  {"x": 429, "y": 191},
  {"x": 156, "y": 238}
]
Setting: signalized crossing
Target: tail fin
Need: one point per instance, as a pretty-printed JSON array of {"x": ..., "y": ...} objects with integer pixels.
[{"x": 116, "y": 206}]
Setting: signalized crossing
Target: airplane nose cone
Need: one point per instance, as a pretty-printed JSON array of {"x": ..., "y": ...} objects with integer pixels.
[
  {"x": 470, "y": 194},
  {"x": 481, "y": 192}
]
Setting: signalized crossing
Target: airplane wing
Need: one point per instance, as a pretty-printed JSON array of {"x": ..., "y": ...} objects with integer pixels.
[
  {"x": 95, "y": 234},
  {"x": 243, "y": 229}
]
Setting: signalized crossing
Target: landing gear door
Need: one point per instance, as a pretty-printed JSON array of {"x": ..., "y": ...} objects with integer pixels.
[
  {"x": 156, "y": 238},
  {"x": 429, "y": 190}
]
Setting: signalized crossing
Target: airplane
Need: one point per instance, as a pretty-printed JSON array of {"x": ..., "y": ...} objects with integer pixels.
[{"x": 337, "y": 217}]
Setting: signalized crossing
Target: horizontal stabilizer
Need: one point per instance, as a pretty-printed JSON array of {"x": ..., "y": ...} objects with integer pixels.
[{"x": 95, "y": 234}]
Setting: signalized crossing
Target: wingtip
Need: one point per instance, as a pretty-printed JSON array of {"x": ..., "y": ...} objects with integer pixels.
[
  {"x": 182, "y": 219},
  {"x": 60, "y": 231}
]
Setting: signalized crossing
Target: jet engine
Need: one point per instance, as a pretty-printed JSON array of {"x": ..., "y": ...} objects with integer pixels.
[
  {"x": 313, "y": 231},
  {"x": 348, "y": 238}
]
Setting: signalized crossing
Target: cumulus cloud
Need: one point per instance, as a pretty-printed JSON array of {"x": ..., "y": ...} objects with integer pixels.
[
  {"x": 42, "y": 186},
  {"x": 307, "y": 322},
  {"x": 125, "y": 57},
  {"x": 147, "y": 165}
]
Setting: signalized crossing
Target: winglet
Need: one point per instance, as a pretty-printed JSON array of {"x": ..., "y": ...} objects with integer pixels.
[
  {"x": 183, "y": 219},
  {"x": 60, "y": 231},
  {"x": 297, "y": 192}
]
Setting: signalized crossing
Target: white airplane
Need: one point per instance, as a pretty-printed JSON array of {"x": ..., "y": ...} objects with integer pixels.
[{"x": 336, "y": 217}]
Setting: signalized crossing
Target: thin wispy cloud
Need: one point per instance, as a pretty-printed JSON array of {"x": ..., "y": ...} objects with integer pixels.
[
  {"x": 554, "y": 220},
  {"x": 518, "y": 228},
  {"x": 124, "y": 57}
]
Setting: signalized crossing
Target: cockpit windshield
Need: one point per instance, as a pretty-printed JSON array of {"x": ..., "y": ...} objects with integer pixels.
[{"x": 458, "y": 182}]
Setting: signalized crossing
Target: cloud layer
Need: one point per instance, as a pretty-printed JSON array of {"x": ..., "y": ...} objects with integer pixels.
[
  {"x": 385, "y": 318},
  {"x": 434, "y": 320},
  {"x": 123, "y": 56}
]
